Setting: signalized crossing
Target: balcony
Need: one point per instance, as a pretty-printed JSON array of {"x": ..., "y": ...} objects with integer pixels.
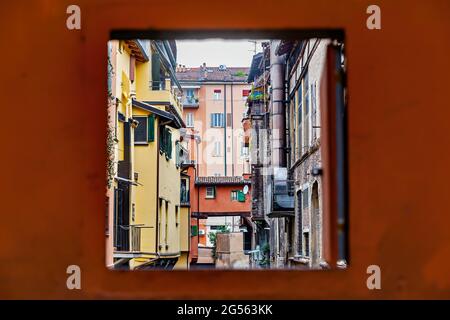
[
  {"x": 162, "y": 92},
  {"x": 127, "y": 240},
  {"x": 282, "y": 199},
  {"x": 190, "y": 102}
]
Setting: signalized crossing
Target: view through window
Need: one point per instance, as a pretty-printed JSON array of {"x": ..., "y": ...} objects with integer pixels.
[{"x": 215, "y": 154}]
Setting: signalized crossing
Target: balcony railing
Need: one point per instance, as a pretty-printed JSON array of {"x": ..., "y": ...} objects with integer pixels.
[
  {"x": 190, "y": 101},
  {"x": 158, "y": 84},
  {"x": 128, "y": 238}
]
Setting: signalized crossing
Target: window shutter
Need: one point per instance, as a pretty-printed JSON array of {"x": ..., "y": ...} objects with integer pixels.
[
  {"x": 194, "y": 231},
  {"x": 169, "y": 144},
  {"x": 241, "y": 196},
  {"x": 156, "y": 74},
  {"x": 162, "y": 141},
  {"x": 151, "y": 128},
  {"x": 132, "y": 67}
]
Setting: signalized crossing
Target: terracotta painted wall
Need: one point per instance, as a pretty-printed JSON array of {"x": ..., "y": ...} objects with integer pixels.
[
  {"x": 223, "y": 200},
  {"x": 397, "y": 118}
]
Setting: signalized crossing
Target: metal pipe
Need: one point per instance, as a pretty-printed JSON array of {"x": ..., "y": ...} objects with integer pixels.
[
  {"x": 278, "y": 111},
  {"x": 225, "y": 128}
]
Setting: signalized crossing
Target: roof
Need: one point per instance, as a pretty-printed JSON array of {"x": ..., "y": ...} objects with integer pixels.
[
  {"x": 212, "y": 74},
  {"x": 221, "y": 180}
]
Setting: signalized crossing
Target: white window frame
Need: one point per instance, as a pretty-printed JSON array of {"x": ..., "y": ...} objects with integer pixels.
[
  {"x": 217, "y": 148},
  {"x": 217, "y": 120},
  {"x": 190, "y": 120},
  {"x": 217, "y": 95},
  {"x": 209, "y": 195}
]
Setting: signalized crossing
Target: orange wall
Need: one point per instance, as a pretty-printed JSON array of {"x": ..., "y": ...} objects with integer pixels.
[
  {"x": 223, "y": 200},
  {"x": 398, "y": 157}
]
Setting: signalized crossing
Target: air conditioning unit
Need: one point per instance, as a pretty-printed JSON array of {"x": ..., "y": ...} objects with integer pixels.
[{"x": 201, "y": 232}]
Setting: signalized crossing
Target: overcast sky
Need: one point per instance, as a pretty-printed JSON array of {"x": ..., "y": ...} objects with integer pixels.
[{"x": 232, "y": 53}]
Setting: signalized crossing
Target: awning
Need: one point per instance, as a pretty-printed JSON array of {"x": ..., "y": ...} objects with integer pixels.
[{"x": 164, "y": 115}]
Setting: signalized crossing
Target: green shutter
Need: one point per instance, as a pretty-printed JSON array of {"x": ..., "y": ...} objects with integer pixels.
[
  {"x": 151, "y": 128},
  {"x": 162, "y": 141},
  {"x": 194, "y": 231},
  {"x": 169, "y": 144},
  {"x": 241, "y": 196},
  {"x": 156, "y": 71}
]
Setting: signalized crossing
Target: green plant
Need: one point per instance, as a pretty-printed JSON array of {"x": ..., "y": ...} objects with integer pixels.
[
  {"x": 240, "y": 74},
  {"x": 212, "y": 236},
  {"x": 110, "y": 131}
]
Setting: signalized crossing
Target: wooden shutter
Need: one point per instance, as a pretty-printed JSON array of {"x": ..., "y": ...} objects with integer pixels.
[
  {"x": 241, "y": 196},
  {"x": 194, "y": 230},
  {"x": 161, "y": 139},
  {"x": 151, "y": 128},
  {"x": 132, "y": 67},
  {"x": 169, "y": 144},
  {"x": 156, "y": 74},
  {"x": 229, "y": 120}
]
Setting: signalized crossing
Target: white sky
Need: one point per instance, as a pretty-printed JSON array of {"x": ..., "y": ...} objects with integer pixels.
[{"x": 232, "y": 53}]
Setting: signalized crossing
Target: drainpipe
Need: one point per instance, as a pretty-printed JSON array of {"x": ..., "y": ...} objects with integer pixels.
[
  {"x": 157, "y": 185},
  {"x": 278, "y": 140},
  {"x": 225, "y": 128},
  {"x": 232, "y": 133},
  {"x": 278, "y": 111}
]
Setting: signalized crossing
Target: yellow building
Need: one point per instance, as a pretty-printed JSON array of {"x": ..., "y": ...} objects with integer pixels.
[{"x": 149, "y": 225}]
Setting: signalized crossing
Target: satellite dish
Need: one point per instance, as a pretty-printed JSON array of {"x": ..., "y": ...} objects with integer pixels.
[{"x": 245, "y": 190}]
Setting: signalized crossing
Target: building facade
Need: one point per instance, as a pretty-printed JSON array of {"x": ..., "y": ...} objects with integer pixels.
[
  {"x": 283, "y": 117},
  {"x": 148, "y": 227}
]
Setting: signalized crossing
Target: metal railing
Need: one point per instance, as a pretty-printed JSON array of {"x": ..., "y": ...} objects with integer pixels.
[
  {"x": 128, "y": 237},
  {"x": 190, "y": 101}
]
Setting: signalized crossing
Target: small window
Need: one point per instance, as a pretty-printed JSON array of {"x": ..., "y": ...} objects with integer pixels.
[
  {"x": 140, "y": 132},
  {"x": 306, "y": 242},
  {"x": 216, "y": 151},
  {"x": 217, "y": 94},
  {"x": 217, "y": 120},
  {"x": 210, "y": 192},
  {"x": 165, "y": 142},
  {"x": 234, "y": 195},
  {"x": 190, "y": 120}
]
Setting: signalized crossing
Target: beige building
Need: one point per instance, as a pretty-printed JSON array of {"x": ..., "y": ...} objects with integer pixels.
[{"x": 213, "y": 109}]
